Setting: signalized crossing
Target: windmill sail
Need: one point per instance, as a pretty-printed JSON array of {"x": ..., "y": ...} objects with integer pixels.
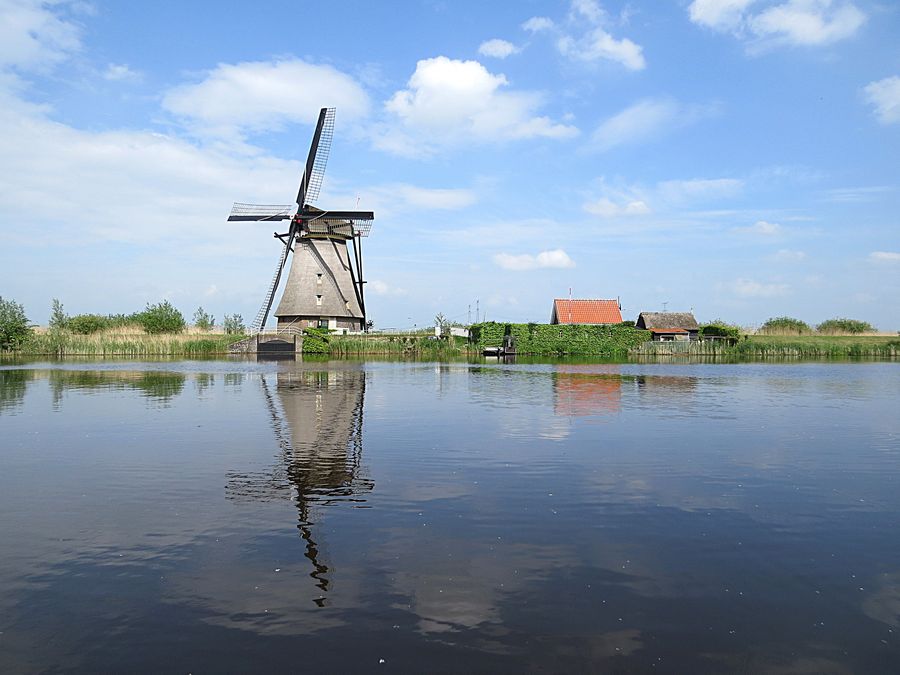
[
  {"x": 241, "y": 211},
  {"x": 314, "y": 173},
  {"x": 260, "y": 320}
]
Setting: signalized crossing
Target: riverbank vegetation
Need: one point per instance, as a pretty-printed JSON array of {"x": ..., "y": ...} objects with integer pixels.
[
  {"x": 126, "y": 341},
  {"x": 422, "y": 345},
  {"x": 560, "y": 339},
  {"x": 816, "y": 346},
  {"x": 158, "y": 330}
]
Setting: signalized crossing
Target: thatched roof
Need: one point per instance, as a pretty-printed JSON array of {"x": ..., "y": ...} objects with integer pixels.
[{"x": 664, "y": 320}]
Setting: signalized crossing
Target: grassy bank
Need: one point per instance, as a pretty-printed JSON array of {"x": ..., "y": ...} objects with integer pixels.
[
  {"x": 127, "y": 341},
  {"x": 391, "y": 345}
]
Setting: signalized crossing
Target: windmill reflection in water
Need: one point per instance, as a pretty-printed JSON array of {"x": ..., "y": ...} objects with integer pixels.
[{"x": 317, "y": 419}]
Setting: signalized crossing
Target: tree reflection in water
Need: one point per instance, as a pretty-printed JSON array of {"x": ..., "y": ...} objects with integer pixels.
[{"x": 317, "y": 420}]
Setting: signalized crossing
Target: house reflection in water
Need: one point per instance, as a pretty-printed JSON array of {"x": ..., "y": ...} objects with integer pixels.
[
  {"x": 579, "y": 392},
  {"x": 317, "y": 420}
]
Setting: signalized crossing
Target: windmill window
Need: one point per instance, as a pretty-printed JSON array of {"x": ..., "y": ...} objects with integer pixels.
[
  {"x": 319, "y": 279},
  {"x": 318, "y": 300},
  {"x": 347, "y": 304}
]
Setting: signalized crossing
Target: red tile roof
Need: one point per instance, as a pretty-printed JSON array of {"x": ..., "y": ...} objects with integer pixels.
[{"x": 587, "y": 311}]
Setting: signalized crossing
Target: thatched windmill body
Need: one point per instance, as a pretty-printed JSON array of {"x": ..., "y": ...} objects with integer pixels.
[{"x": 325, "y": 286}]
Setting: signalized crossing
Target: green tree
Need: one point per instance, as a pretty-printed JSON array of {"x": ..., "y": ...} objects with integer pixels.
[
  {"x": 720, "y": 328},
  {"x": 234, "y": 324},
  {"x": 785, "y": 325},
  {"x": 441, "y": 323},
  {"x": 86, "y": 324},
  {"x": 851, "y": 326},
  {"x": 58, "y": 318},
  {"x": 161, "y": 318},
  {"x": 14, "y": 325},
  {"x": 202, "y": 320}
]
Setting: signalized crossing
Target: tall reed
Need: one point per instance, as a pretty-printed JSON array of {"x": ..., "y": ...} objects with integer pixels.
[{"x": 127, "y": 341}]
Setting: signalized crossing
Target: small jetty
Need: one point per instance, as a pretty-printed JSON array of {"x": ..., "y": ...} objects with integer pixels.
[{"x": 508, "y": 348}]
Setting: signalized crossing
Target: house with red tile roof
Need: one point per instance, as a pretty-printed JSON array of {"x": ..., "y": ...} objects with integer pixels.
[{"x": 592, "y": 312}]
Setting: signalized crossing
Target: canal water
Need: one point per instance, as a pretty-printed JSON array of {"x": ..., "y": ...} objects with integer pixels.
[{"x": 221, "y": 516}]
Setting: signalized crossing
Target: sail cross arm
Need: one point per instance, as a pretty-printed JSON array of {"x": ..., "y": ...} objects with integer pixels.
[{"x": 308, "y": 214}]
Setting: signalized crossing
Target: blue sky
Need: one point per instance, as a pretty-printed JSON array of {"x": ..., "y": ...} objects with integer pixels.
[{"x": 734, "y": 157}]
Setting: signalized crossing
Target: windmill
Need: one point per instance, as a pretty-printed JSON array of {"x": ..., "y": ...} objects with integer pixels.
[{"x": 324, "y": 288}]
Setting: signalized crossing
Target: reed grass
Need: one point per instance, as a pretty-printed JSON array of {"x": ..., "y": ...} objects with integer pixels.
[
  {"x": 781, "y": 346},
  {"x": 127, "y": 341},
  {"x": 354, "y": 345},
  {"x": 817, "y": 346}
]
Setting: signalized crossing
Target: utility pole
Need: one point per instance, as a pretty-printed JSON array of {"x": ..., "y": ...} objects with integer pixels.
[
  {"x": 469, "y": 316},
  {"x": 476, "y": 311}
]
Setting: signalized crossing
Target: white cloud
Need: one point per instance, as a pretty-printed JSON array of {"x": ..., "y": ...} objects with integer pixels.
[
  {"x": 379, "y": 287},
  {"x": 598, "y": 44},
  {"x": 788, "y": 256},
  {"x": 808, "y": 22},
  {"x": 858, "y": 194},
  {"x": 102, "y": 175},
  {"x": 694, "y": 189},
  {"x": 32, "y": 37},
  {"x": 498, "y": 48},
  {"x": 885, "y": 256},
  {"x": 718, "y": 14},
  {"x": 449, "y": 101},
  {"x": 555, "y": 259},
  {"x": 446, "y": 199},
  {"x": 584, "y": 37},
  {"x": 646, "y": 120},
  {"x": 236, "y": 99},
  {"x": 748, "y": 288},
  {"x": 667, "y": 196},
  {"x": 120, "y": 72},
  {"x": 885, "y": 96},
  {"x": 607, "y": 208},
  {"x": 761, "y": 227},
  {"x": 792, "y": 22},
  {"x": 538, "y": 24},
  {"x": 587, "y": 9}
]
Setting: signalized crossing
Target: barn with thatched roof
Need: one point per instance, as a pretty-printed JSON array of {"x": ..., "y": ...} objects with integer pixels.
[{"x": 669, "y": 326}]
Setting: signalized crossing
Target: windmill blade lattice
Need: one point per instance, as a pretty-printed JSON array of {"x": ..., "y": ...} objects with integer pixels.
[
  {"x": 241, "y": 211},
  {"x": 263, "y": 312},
  {"x": 314, "y": 173}
]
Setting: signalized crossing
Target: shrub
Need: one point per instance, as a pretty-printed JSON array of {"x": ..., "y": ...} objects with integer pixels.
[
  {"x": 14, "y": 325},
  {"x": 785, "y": 325},
  {"x": 851, "y": 326},
  {"x": 720, "y": 328},
  {"x": 234, "y": 324},
  {"x": 161, "y": 318},
  {"x": 85, "y": 324},
  {"x": 122, "y": 320},
  {"x": 315, "y": 340},
  {"x": 202, "y": 320}
]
